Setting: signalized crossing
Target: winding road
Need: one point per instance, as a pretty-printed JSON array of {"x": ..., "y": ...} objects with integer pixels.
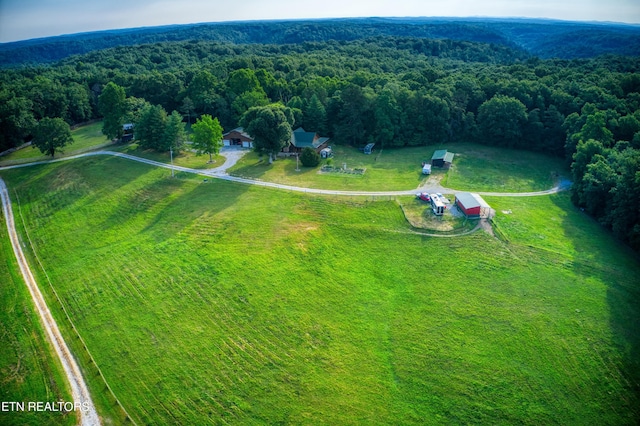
[
  {"x": 79, "y": 389},
  {"x": 233, "y": 155}
]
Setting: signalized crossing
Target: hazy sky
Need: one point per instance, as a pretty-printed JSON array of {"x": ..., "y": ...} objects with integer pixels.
[{"x": 25, "y": 19}]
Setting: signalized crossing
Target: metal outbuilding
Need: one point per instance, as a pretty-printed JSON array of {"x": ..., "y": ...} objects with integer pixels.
[
  {"x": 472, "y": 205},
  {"x": 442, "y": 158}
]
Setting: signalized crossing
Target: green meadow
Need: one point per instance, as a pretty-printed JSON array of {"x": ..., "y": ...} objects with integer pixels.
[
  {"x": 475, "y": 168},
  {"x": 85, "y": 138},
  {"x": 29, "y": 370},
  {"x": 222, "y": 303}
]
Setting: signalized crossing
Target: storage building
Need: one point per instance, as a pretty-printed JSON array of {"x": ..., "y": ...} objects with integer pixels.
[
  {"x": 442, "y": 158},
  {"x": 472, "y": 205}
]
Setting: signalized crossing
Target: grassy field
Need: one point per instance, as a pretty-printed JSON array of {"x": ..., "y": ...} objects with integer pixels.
[
  {"x": 28, "y": 369},
  {"x": 484, "y": 168},
  {"x": 85, "y": 138},
  {"x": 476, "y": 167},
  {"x": 183, "y": 159},
  {"x": 220, "y": 303}
]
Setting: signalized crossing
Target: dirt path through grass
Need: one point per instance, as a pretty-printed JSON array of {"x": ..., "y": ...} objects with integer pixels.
[{"x": 79, "y": 390}]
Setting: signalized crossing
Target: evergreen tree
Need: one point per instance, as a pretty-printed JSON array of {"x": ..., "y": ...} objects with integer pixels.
[
  {"x": 315, "y": 116},
  {"x": 151, "y": 129},
  {"x": 174, "y": 133}
]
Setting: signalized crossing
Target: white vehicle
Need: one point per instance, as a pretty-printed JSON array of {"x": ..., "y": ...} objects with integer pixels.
[{"x": 437, "y": 205}]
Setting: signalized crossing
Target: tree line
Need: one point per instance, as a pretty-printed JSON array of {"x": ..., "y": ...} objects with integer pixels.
[{"x": 392, "y": 91}]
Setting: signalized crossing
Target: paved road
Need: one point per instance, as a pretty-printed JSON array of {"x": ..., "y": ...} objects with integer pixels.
[
  {"x": 79, "y": 389},
  {"x": 233, "y": 155}
]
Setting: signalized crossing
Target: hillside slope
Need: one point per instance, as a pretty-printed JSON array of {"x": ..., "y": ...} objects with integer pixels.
[{"x": 543, "y": 38}]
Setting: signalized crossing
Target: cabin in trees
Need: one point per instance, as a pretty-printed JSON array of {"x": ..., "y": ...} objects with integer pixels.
[
  {"x": 300, "y": 139},
  {"x": 472, "y": 205},
  {"x": 237, "y": 137},
  {"x": 127, "y": 132},
  {"x": 442, "y": 158}
]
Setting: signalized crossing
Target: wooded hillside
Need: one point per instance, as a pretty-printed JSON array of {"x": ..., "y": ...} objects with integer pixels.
[
  {"x": 536, "y": 37},
  {"x": 394, "y": 91}
]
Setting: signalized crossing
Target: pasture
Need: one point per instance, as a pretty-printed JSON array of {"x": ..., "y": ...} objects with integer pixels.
[
  {"x": 221, "y": 303},
  {"x": 29, "y": 371},
  {"x": 85, "y": 138},
  {"x": 475, "y": 167}
]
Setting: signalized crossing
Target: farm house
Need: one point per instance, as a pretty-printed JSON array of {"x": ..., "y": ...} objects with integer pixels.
[
  {"x": 472, "y": 205},
  {"x": 301, "y": 139},
  {"x": 237, "y": 137},
  {"x": 442, "y": 158}
]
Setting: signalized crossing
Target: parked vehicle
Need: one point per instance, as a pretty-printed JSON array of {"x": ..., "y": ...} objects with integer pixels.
[{"x": 424, "y": 196}]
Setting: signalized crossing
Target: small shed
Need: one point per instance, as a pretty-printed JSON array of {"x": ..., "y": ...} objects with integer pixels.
[
  {"x": 472, "y": 205},
  {"x": 326, "y": 152},
  {"x": 368, "y": 148},
  {"x": 237, "y": 137},
  {"x": 442, "y": 158}
]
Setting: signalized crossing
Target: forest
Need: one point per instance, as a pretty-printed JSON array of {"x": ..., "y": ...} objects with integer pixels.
[{"x": 391, "y": 90}]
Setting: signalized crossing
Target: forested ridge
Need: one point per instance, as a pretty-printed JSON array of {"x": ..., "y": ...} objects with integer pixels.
[
  {"x": 537, "y": 37},
  {"x": 394, "y": 91}
]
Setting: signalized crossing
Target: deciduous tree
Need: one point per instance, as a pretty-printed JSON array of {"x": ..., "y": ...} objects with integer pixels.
[
  {"x": 113, "y": 108},
  {"x": 270, "y": 127},
  {"x": 51, "y": 134},
  {"x": 207, "y": 136}
]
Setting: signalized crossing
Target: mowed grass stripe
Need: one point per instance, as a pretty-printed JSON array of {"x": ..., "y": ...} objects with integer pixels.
[{"x": 222, "y": 303}]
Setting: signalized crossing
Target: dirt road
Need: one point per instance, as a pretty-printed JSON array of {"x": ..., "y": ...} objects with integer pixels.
[
  {"x": 221, "y": 173},
  {"x": 79, "y": 390}
]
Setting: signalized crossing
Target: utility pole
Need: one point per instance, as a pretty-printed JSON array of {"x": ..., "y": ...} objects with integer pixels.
[{"x": 171, "y": 154}]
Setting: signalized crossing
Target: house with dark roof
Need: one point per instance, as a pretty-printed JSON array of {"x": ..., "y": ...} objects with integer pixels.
[
  {"x": 300, "y": 139},
  {"x": 442, "y": 158},
  {"x": 237, "y": 137}
]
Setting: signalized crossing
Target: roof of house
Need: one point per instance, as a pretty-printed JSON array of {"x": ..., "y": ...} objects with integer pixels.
[
  {"x": 238, "y": 130},
  {"x": 301, "y": 139},
  {"x": 448, "y": 158}
]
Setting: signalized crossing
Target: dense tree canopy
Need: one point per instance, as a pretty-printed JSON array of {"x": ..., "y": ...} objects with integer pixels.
[
  {"x": 393, "y": 90},
  {"x": 270, "y": 127}
]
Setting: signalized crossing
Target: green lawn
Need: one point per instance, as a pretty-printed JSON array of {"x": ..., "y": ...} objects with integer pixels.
[
  {"x": 221, "y": 303},
  {"x": 183, "y": 159},
  {"x": 476, "y": 167},
  {"x": 28, "y": 369},
  {"x": 484, "y": 168},
  {"x": 397, "y": 169},
  {"x": 85, "y": 138}
]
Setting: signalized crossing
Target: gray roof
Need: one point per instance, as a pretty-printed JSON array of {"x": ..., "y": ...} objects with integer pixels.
[
  {"x": 238, "y": 130},
  {"x": 467, "y": 199},
  {"x": 470, "y": 200}
]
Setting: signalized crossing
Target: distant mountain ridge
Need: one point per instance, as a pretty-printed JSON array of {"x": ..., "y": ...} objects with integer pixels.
[{"x": 537, "y": 37}]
